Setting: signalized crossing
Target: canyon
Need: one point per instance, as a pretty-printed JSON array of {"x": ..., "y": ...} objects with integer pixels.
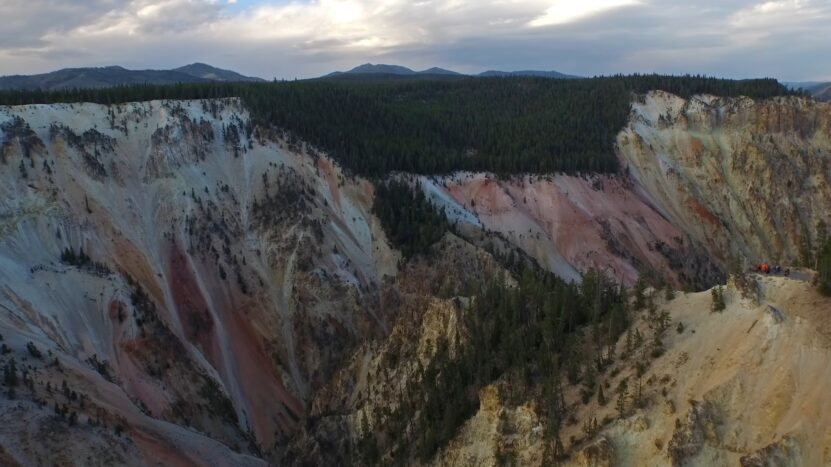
[{"x": 184, "y": 287}]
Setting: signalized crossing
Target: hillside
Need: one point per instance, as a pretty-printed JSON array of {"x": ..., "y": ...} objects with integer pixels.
[
  {"x": 184, "y": 284},
  {"x": 739, "y": 387},
  {"x": 75, "y": 78}
]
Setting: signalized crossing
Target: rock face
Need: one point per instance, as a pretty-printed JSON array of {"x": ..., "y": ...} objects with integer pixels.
[
  {"x": 498, "y": 434},
  {"x": 741, "y": 177},
  {"x": 689, "y": 436},
  {"x": 175, "y": 268},
  {"x": 571, "y": 224},
  {"x": 599, "y": 453}
]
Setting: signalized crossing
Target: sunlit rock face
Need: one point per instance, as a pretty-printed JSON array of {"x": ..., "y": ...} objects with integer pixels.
[{"x": 742, "y": 177}]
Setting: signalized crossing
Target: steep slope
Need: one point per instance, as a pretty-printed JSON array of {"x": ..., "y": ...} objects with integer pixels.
[
  {"x": 744, "y": 178},
  {"x": 360, "y": 399},
  {"x": 172, "y": 262},
  {"x": 572, "y": 224},
  {"x": 745, "y": 386}
]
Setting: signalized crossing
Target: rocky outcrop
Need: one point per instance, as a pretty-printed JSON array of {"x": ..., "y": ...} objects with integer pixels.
[
  {"x": 690, "y": 435},
  {"x": 600, "y": 453},
  {"x": 497, "y": 434},
  {"x": 785, "y": 452}
]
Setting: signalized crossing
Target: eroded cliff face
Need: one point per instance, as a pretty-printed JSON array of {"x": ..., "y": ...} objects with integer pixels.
[
  {"x": 742, "y": 177},
  {"x": 571, "y": 224},
  {"x": 187, "y": 278}
]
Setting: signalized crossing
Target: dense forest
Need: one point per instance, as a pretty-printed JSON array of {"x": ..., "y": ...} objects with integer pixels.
[
  {"x": 823, "y": 259},
  {"x": 502, "y": 125},
  {"x": 535, "y": 338},
  {"x": 410, "y": 221}
]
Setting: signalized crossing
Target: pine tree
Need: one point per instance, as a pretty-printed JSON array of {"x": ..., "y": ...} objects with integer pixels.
[
  {"x": 822, "y": 238},
  {"x": 640, "y": 299},
  {"x": 629, "y": 346},
  {"x": 718, "y": 299},
  {"x": 622, "y": 395},
  {"x": 805, "y": 248},
  {"x": 10, "y": 374},
  {"x": 824, "y": 269},
  {"x": 638, "y": 341}
]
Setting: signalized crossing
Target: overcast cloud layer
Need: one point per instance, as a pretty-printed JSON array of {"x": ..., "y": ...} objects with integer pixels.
[{"x": 787, "y": 39}]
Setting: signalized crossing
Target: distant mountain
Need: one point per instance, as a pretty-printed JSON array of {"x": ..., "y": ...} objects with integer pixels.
[
  {"x": 439, "y": 71},
  {"x": 201, "y": 70},
  {"x": 819, "y": 90},
  {"x": 800, "y": 84},
  {"x": 397, "y": 70},
  {"x": 381, "y": 69},
  {"x": 542, "y": 74},
  {"x": 369, "y": 68},
  {"x": 115, "y": 75}
]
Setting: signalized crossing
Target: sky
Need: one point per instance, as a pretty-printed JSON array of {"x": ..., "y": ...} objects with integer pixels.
[{"x": 285, "y": 39}]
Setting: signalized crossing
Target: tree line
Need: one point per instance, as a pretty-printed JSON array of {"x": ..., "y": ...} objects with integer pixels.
[{"x": 502, "y": 125}]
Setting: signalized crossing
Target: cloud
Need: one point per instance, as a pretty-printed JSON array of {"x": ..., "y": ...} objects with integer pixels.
[
  {"x": 565, "y": 11},
  {"x": 301, "y": 38}
]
